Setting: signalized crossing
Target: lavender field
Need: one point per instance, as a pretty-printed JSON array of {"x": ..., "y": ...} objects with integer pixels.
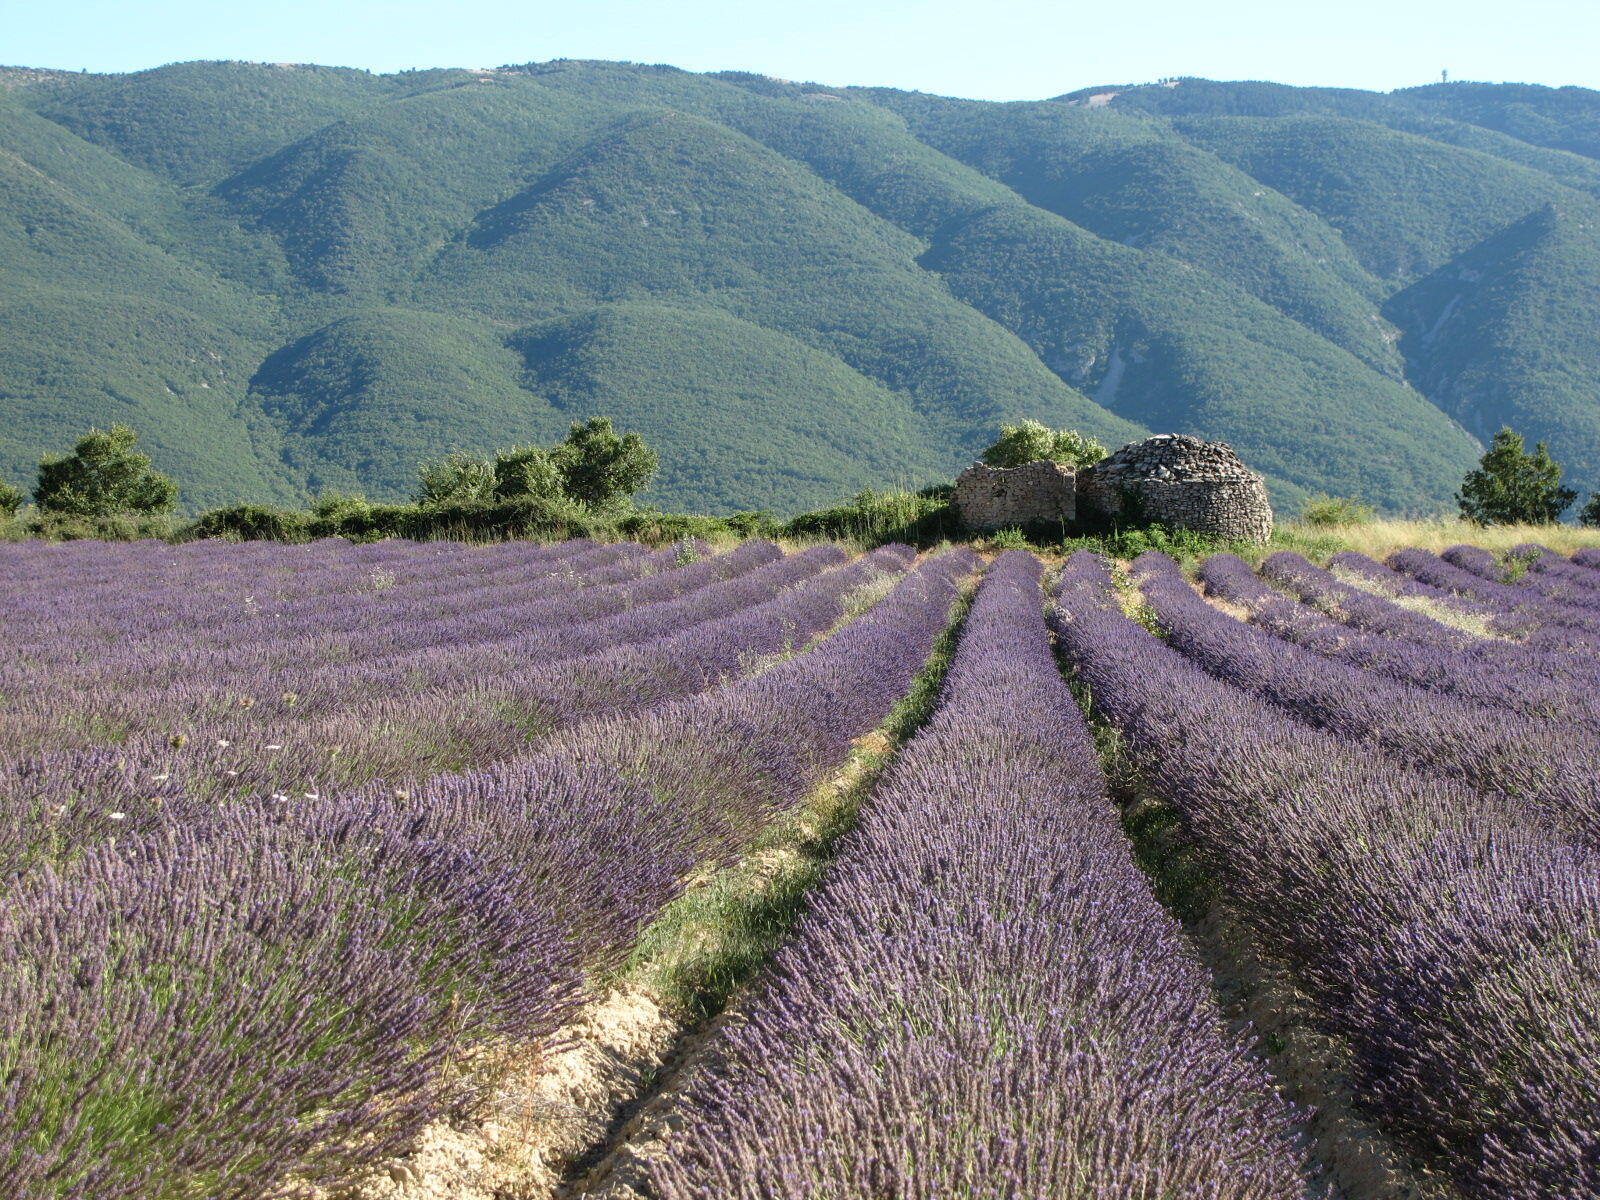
[{"x": 921, "y": 875}]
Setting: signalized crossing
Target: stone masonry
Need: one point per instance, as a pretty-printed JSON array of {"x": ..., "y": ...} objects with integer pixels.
[
  {"x": 998, "y": 497},
  {"x": 1182, "y": 482}
]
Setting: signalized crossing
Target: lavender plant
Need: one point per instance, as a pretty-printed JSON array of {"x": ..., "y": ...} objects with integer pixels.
[
  {"x": 1503, "y": 599},
  {"x": 986, "y": 999},
  {"x": 1546, "y": 561},
  {"x": 352, "y": 962},
  {"x": 250, "y": 1004},
  {"x": 1497, "y": 674},
  {"x": 1536, "y": 765},
  {"x": 1514, "y": 570},
  {"x": 1449, "y": 940}
]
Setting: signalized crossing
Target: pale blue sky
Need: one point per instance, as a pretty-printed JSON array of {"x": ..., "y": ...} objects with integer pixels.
[{"x": 1004, "y": 50}]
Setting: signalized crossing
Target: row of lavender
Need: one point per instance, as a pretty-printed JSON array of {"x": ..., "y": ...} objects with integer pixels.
[
  {"x": 338, "y": 961},
  {"x": 720, "y": 630},
  {"x": 150, "y": 592},
  {"x": 985, "y": 999},
  {"x": 1443, "y": 917},
  {"x": 1517, "y": 610},
  {"x": 1522, "y": 750},
  {"x": 292, "y": 669}
]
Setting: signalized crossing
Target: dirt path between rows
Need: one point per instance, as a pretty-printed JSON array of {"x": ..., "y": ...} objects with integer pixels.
[
  {"x": 1311, "y": 1067},
  {"x": 546, "y": 1110},
  {"x": 583, "y": 1119}
]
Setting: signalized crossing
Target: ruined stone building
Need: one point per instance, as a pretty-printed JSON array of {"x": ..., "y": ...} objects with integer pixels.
[
  {"x": 1171, "y": 479},
  {"x": 1001, "y": 497}
]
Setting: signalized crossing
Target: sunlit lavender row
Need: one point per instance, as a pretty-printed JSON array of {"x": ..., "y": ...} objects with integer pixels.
[
  {"x": 986, "y": 999},
  {"x": 1529, "y": 760},
  {"x": 1446, "y": 935},
  {"x": 1478, "y": 670},
  {"x": 1515, "y": 610},
  {"x": 353, "y": 955},
  {"x": 1378, "y": 612}
]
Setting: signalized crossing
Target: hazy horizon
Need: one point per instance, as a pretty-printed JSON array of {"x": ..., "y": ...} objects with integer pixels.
[
  {"x": 1066, "y": 89},
  {"x": 1023, "y": 50}
]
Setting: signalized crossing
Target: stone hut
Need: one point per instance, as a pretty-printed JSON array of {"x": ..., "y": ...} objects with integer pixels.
[
  {"x": 1000, "y": 497},
  {"x": 1182, "y": 482}
]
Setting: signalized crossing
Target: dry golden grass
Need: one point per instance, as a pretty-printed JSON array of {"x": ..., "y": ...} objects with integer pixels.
[
  {"x": 1439, "y": 610},
  {"x": 1379, "y": 538}
]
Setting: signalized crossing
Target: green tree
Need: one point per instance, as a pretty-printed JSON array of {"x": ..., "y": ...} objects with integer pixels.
[
  {"x": 1032, "y": 440},
  {"x": 1590, "y": 515},
  {"x": 1512, "y": 487},
  {"x": 526, "y": 471},
  {"x": 601, "y": 467},
  {"x": 457, "y": 476},
  {"x": 103, "y": 476},
  {"x": 10, "y": 499}
]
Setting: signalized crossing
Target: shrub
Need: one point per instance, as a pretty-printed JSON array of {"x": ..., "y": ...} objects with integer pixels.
[
  {"x": 1031, "y": 441},
  {"x": 1590, "y": 515},
  {"x": 1181, "y": 544},
  {"x": 1330, "y": 511},
  {"x": 112, "y": 527},
  {"x": 332, "y": 509},
  {"x": 359, "y": 521},
  {"x": 542, "y": 518},
  {"x": 1516, "y": 563},
  {"x": 481, "y": 518},
  {"x": 526, "y": 471},
  {"x": 10, "y": 500},
  {"x": 659, "y": 528},
  {"x": 1007, "y": 539},
  {"x": 1512, "y": 487},
  {"x": 251, "y": 523},
  {"x": 103, "y": 476},
  {"x": 457, "y": 476},
  {"x": 874, "y": 518},
  {"x": 753, "y": 523}
]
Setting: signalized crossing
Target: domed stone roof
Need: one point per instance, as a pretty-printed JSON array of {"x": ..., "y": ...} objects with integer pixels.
[{"x": 1180, "y": 481}]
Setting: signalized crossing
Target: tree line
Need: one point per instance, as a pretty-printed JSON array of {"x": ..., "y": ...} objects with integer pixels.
[
  {"x": 597, "y": 471},
  {"x": 594, "y": 468}
]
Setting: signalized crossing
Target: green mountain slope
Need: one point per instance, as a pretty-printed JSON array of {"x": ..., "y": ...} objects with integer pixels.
[
  {"x": 175, "y": 377},
  {"x": 358, "y": 403},
  {"x": 193, "y": 123},
  {"x": 875, "y": 159},
  {"x": 291, "y": 278},
  {"x": 361, "y": 204},
  {"x": 1402, "y": 203},
  {"x": 1566, "y": 118},
  {"x": 666, "y": 206},
  {"x": 1505, "y": 334},
  {"x": 1166, "y": 349},
  {"x": 1133, "y": 180},
  {"x": 1423, "y": 111},
  {"x": 717, "y": 394}
]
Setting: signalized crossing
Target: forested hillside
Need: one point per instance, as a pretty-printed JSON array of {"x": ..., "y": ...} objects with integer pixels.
[{"x": 293, "y": 278}]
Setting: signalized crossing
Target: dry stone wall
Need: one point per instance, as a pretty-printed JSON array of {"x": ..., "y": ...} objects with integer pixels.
[
  {"x": 1182, "y": 482},
  {"x": 1002, "y": 497}
]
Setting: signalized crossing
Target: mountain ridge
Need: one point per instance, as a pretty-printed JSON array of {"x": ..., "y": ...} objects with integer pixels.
[{"x": 293, "y": 278}]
